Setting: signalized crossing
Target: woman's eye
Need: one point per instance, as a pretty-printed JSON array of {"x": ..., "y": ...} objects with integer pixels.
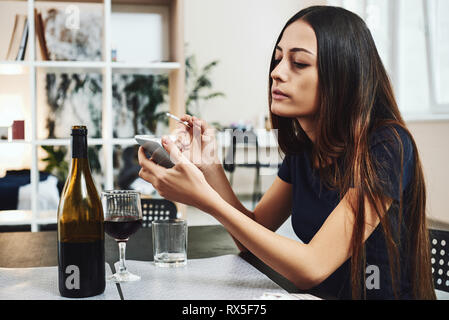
[
  {"x": 276, "y": 61},
  {"x": 300, "y": 65}
]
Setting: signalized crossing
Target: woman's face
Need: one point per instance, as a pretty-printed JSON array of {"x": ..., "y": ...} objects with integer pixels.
[{"x": 295, "y": 76}]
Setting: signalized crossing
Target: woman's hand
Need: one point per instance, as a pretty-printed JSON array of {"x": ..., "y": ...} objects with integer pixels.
[
  {"x": 183, "y": 183},
  {"x": 197, "y": 143}
]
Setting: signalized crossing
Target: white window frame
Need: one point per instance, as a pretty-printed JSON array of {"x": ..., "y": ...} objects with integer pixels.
[
  {"x": 435, "y": 111},
  {"x": 435, "y": 106}
]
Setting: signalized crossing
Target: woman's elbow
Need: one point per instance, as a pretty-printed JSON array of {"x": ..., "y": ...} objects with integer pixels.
[{"x": 309, "y": 280}]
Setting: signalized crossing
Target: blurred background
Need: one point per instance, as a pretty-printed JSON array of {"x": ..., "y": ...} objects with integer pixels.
[{"x": 118, "y": 66}]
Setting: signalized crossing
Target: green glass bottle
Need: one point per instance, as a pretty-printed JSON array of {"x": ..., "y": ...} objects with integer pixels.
[{"x": 81, "y": 261}]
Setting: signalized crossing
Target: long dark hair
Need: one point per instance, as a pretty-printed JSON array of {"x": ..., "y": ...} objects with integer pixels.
[{"x": 354, "y": 89}]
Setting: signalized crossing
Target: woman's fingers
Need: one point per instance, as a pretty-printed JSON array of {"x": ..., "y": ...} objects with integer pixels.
[
  {"x": 150, "y": 170},
  {"x": 192, "y": 120},
  {"x": 197, "y": 146},
  {"x": 183, "y": 140},
  {"x": 175, "y": 154},
  {"x": 187, "y": 118},
  {"x": 204, "y": 126},
  {"x": 199, "y": 137},
  {"x": 183, "y": 136}
]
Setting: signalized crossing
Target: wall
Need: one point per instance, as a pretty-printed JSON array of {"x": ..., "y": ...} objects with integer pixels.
[{"x": 433, "y": 147}]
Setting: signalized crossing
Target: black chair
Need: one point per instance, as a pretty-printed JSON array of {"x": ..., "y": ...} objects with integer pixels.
[
  {"x": 249, "y": 139},
  {"x": 439, "y": 240},
  {"x": 157, "y": 209}
]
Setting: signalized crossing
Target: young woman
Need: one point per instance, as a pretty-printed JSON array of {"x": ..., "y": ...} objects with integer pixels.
[{"x": 351, "y": 179}]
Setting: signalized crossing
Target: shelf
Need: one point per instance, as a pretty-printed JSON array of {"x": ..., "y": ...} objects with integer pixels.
[
  {"x": 15, "y": 142},
  {"x": 18, "y": 67},
  {"x": 145, "y": 2},
  {"x": 32, "y": 70},
  {"x": 66, "y": 142},
  {"x": 13, "y": 67},
  {"x": 15, "y": 217},
  {"x": 144, "y": 68},
  {"x": 124, "y": 141},
  {"x": 81, "y": 1},
  {"x": 25, "y": 217},
  {"x": 13, "y": 62},
  {"x": 90, "y": 142},
  {"x": 71, "y": 66}
]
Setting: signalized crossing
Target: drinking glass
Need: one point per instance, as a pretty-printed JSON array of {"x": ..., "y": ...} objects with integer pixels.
[
  {"x": 170, "y": 242},
  {"x": 122, "y": 217}
]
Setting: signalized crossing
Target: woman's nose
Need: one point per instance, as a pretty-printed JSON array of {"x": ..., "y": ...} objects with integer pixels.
[{"x": 279, "y": 73}]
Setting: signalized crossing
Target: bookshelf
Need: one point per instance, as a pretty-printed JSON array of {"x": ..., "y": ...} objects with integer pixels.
[{"x": 32, "y": 66}]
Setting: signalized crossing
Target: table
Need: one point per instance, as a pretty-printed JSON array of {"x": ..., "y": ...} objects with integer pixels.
[{"x": 39, "y": 249}]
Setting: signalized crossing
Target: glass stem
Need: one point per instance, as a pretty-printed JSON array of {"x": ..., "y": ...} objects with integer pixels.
[{"x": 122, "y": 250}]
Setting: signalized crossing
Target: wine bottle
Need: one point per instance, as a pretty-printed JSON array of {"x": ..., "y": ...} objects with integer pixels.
[{"x": 81, "y": 261}]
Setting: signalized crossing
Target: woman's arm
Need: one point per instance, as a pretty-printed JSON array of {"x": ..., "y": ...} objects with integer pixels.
[{"x": 306, "y": 265}]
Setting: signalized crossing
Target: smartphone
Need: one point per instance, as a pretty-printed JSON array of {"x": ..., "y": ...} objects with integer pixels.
[{"x": 155, "y": 150}]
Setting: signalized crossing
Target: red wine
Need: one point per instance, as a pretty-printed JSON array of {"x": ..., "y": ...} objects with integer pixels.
[
  {"x": 83, "y": 268},
  {"x": 122, "y": 227}
]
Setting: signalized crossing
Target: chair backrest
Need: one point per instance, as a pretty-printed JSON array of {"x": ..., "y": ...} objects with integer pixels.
[
  {"x": 439, "y": 240},
  {"x": 157, "y": 209}
]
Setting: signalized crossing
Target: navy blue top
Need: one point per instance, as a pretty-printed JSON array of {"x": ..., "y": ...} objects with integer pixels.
[{"x": 313, "y": 202}]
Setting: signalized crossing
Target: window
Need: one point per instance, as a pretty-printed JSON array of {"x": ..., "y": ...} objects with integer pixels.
[
  {"x": 437, "y": 26},
  {"x": 411, "y": 37}
]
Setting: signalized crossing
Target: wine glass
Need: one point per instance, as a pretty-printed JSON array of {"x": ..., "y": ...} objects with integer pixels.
[{"x": 122, "y": 217}]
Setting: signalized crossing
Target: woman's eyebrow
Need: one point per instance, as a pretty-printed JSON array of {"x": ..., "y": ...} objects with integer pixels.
[{"x": 296, "y": 50}]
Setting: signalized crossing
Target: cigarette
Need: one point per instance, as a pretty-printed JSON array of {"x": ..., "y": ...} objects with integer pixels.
[{"x": 177, "y": 119}]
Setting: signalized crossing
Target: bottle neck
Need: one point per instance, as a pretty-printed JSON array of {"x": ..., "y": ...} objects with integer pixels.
[{"x": 79, "y": 146}]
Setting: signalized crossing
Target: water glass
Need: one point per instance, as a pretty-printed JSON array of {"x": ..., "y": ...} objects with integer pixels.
[{"x": 170, "y": 242}]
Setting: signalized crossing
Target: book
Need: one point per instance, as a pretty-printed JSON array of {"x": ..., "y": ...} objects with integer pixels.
[
  {"x": 23, "y": 43},
  {"x": 40, "y": 33},
  {"x": 18, "y": 130},
  {"x": 16, "y": 36}
]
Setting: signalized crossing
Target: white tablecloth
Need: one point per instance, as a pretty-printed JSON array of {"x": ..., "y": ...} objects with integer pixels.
[
  {"x": 42, "y": 284},
  {"x": 227, "y": 277}
]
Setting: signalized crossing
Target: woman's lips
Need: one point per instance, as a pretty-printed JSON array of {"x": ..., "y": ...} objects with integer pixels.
[{"x": 279, "y": 95}]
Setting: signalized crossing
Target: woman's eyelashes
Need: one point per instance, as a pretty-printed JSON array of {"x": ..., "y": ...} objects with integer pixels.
[{"x": 298, "y": 65}]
